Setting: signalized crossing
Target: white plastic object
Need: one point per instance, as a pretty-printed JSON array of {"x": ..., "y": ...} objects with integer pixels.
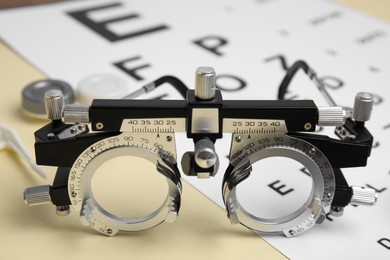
[
  {"x": 9, "y": 139},
  {"x": 101, "y": 86}
]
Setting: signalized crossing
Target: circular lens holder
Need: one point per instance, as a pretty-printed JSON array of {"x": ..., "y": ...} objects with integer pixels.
[{"x": 146, "y": 129}]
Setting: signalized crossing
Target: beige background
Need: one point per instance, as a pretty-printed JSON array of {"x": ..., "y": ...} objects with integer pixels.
[{"x": 201, "y": 231}]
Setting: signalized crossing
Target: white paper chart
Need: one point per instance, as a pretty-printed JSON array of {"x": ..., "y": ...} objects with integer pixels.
[{"x": 247, "y": 43}]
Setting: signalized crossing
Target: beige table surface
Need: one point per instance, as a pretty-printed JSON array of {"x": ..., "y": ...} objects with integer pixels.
[{"x": 201, "y": 232}]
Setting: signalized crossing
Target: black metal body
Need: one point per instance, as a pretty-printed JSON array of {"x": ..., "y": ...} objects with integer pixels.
[{"x": 50, "y": 150}]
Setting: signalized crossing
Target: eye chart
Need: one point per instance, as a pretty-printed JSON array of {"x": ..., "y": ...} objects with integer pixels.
[{"x": 250, "y": 44}]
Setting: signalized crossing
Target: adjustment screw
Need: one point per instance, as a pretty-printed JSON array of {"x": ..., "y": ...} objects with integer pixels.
[
  {"x": 76, "y": 114},
  {"x": 205, "y": 83},
  {"x": 331, "y": 116},
  {"x": 363, "y": 196},
  {"x": 307, "y": 126},
  {"x": 99, "y": 126},
  {"x": 37, "y": 195},
  {"x": 63, "y": 211},
  {"x": 54, "y": 104},
  {"x": 363, "y": 106},
  {"x": 205, "y": 155},
  {"x": 51, "y": 136},
  {"x": 73, "y": 130},
  {"x": 336, "y": 211}
]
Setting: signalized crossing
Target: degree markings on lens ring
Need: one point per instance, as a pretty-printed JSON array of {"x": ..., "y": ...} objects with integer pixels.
[
  {"x": 146, "y": 141},
  {"x": 319, "y": 167},
  {"x": 144, "y": 145}
]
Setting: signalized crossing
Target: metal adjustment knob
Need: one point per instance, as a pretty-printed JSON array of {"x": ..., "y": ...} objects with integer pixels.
[
  {"x": 363, "y": 196},
  {"x": 76, "y": 114},
  {"x": 205, "y": 155},
  {"x": 33, "y": 96},
  {"x": 54, "y": 104},
  {"x": 62, "y": 211},
  {"x": 331, "y": 116},
  {"x": 187, "y": 162},
  {"x": 205, "y": 83},
  {"x": 37, "y": 195},
  {"x": 336, "y": 211},
  {"x": 363, "y": 106}
]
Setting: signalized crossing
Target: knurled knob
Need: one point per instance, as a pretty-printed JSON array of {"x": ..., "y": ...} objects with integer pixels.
[
  {"x": 37, "y": 195},
  {"x": 363, "y": 106},
  {"x": 76, "y": 114},
  {"x": 54, "y": 104},
  {"x": 205, "y": 83},
  {"x": 331, "y": 116},
  {"x": 363, "y": 196},
  {"x": 205, "y": 155}
]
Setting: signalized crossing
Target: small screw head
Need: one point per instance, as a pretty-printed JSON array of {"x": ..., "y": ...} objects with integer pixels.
[
  {"x": 50, "y": 136},
  {"x": 99, "y": 126},
  {"x": 336, "y": 211},
  {"x": 109, "y": 231},
  {"x": 63, "y": 210},
  {"x": 312, "y": 151},
  {"x": 93, "y": 149},
  {"x": 238, "y": 138},
  {"x": 73, "y": 130},
  {"x": 169, "y": 138},
  {"x": 307, "y": 126}
]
